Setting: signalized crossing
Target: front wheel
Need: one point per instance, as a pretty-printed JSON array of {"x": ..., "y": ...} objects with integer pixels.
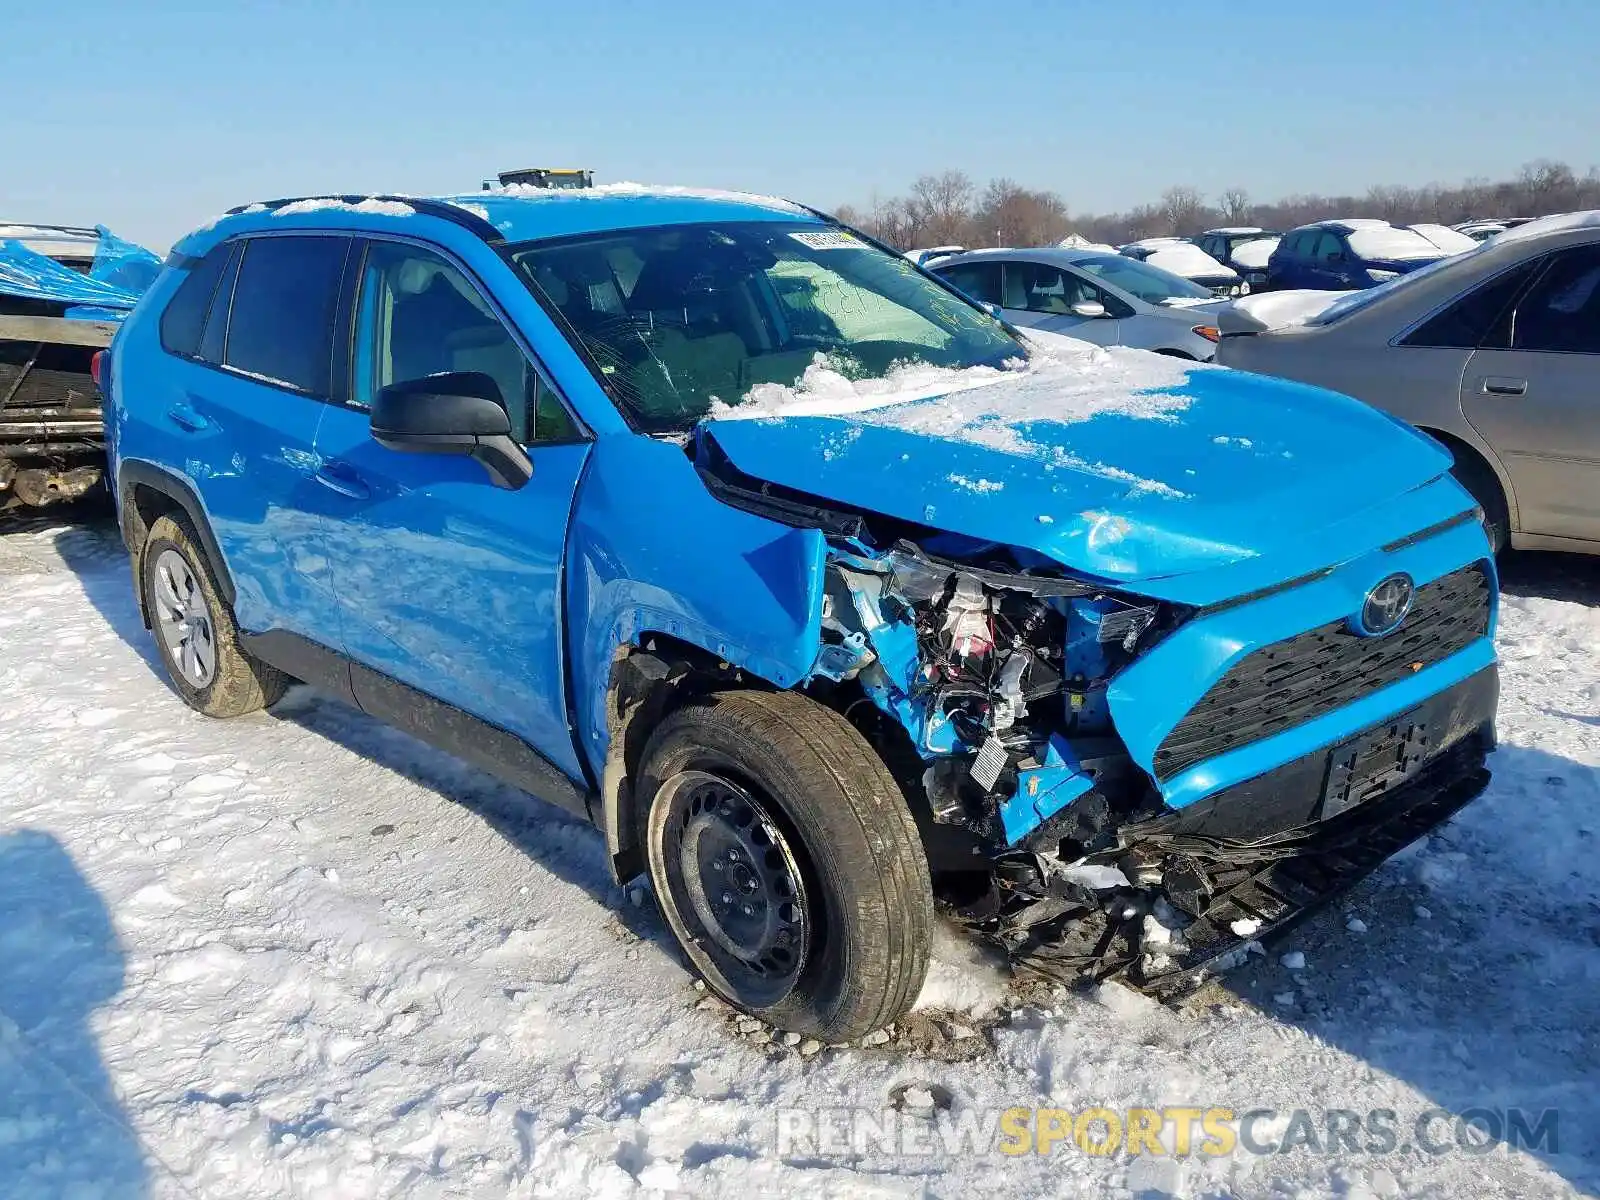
[{"x": 786, "y": 863}]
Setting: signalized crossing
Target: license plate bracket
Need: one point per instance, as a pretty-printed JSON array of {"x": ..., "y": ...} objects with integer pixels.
[{"x": 1373, "y": 762}]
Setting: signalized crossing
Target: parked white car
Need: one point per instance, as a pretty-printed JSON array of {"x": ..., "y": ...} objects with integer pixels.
[{"x": 1095, "y": 296}]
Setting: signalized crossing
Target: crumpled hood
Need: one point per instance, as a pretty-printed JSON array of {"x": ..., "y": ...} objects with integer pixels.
[{"x": 1121, "y": 465}]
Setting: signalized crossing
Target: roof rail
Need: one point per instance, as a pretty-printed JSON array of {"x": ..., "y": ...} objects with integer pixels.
[
  {"x": 75, "y": 230},
  {"x": 442, "y": 209}
]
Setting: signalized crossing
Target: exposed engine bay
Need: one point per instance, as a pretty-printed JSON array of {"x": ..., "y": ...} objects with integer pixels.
[{"x": 1047, "y": 838}]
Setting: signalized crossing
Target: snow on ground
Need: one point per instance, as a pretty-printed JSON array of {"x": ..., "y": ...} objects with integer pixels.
[{"x": 300, "y": 955}]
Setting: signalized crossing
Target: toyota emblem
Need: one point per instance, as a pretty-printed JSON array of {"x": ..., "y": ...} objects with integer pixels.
[{"x": 1386, "y": 605}]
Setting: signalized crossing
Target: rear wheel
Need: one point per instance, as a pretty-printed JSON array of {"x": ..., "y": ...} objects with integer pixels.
[
  {"x": 786, "y": 862},
  {"x": 195, "y": 630}
]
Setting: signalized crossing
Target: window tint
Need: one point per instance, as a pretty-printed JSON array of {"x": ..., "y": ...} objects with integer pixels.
[
  {"x": 281, "y": 326},
  {"x": 1562, "y": 310},
  {"x": 185, "y": 315},
  {"x": 419, "y": 315},
  {"x": 214, "y": 343},
  {"x": 980, "y": 280},
  {"x": 1467, "y": 322}
]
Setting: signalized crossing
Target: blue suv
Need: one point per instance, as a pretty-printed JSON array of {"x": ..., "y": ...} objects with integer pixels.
[
  {"x": 1336, "y": 256},
  {"x": 827, "y": 596}
]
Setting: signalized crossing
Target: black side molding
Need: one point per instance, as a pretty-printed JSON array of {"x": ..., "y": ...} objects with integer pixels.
[
  {"x": 502, "y": 754},
  {"x": 133, "y": 473}
]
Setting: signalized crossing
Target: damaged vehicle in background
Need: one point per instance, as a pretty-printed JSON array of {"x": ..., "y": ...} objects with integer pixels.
[
  {"x": 829, "y": 600},
  {"x": 63, "y": 290}
]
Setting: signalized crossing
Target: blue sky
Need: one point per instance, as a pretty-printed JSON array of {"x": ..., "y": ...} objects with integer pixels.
[{"x": 154, "y": 116}]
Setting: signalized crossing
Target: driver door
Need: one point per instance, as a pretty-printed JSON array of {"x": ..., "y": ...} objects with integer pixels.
[{"x": 446, "y": 583}]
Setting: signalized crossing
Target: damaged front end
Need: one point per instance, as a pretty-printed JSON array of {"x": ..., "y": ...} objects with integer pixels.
[{"x": 987, "y": 677}]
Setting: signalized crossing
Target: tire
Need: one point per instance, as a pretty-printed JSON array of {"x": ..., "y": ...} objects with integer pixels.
[
  {"x": 195, "y": 630},
  {"x": 830, "y": 857},
  {"x": 1472, "y": 473}
]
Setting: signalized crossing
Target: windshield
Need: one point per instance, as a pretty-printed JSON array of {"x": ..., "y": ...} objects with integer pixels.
[
  {"x": 676, "y": 317},
  {"x": 1150, "y": 284},
  {"x": 1391, "y": 243}
]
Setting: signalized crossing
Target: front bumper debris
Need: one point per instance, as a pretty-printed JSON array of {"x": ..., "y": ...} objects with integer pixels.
[{"x": 1175, "y": 897}]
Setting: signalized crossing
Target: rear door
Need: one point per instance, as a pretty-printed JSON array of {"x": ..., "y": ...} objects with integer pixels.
[
  {"x": 241, "y": 417},
  {"x": 447, "y": 583},
  {"x": 1041, "y": 295},
  {"x": 1533, "y": 392}
]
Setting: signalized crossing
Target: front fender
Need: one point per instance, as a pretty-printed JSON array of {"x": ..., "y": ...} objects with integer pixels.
[{"x": 650, "y": 551}]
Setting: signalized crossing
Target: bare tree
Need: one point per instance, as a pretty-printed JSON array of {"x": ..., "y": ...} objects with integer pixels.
[
  {"x": 1011, "y": 215},
  {"x": 1182, "y": 207},
  {"x": 941, "y": 205},
  {"x": 1234, "y": 204}
]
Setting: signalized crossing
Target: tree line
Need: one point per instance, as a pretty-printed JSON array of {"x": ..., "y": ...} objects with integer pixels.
[{"x": 951, "y": 209}]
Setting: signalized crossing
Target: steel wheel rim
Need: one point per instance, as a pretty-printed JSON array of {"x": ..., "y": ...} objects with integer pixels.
[
  {"x": 183, "y": 619},
  {"x": 737, "y": 882}
]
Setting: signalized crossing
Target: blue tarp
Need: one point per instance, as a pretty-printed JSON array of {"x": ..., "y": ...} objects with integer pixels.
[{"x": 119, "y": 276}]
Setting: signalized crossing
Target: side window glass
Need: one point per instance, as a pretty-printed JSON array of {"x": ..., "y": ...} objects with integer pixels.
[
  {"x": 185, "y": 315},
  {"x": 214, "y": 343},
  {"x": 1044, "y": 289},
  {"x": 980, "y": 280},
  {"x": 418, "y": 315},
  {"x": 1470, "y": 319},
  {"x": 1561, "y": 312},
  {"x": 280, "y": 328}
]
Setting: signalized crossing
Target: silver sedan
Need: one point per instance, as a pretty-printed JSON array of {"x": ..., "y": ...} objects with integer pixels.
[
  {"x": 1495, "y": 352},
  {"x": 1094, "y": 295}
]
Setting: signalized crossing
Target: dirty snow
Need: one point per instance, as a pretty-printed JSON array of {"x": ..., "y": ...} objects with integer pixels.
[{"x": 300, "y": 955}]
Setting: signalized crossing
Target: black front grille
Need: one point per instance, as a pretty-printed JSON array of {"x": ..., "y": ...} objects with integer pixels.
[{"x": 1297, "y": 680}]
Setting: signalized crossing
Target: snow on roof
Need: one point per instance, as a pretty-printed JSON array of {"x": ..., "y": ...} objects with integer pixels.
[
  {"x": 628, "y": 190},
  {"x": 1237, "y": 229},
  {"x": 371, "y": 207},
  {"x": 1348, "y": 223},
  {"x": 1559, "y": 223}
]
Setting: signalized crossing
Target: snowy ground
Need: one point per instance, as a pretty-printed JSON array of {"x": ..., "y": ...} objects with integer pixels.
[{"x": 302, "y": 955}]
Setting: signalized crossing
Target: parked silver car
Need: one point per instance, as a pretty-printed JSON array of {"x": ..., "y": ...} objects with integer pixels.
[
  {"x": 1090, "y": 294},
  {"x": 1495, "y": 352}
]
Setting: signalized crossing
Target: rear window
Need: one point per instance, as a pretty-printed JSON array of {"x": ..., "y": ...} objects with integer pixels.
[
  {"x": 184, "y": 319},
  {"x": 281, "y": 327}
]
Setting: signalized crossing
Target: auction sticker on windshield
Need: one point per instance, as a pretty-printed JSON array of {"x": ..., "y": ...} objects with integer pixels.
[{"x": 826, "y": 239}]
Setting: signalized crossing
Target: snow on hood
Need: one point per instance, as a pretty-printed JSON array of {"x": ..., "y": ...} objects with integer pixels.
[
  {"x": 1253, "y": 255},
  {"x": 1274, "y": 310},
  {"x": 1118, "y": 463},
  {"x": 1186, "y": 260}
]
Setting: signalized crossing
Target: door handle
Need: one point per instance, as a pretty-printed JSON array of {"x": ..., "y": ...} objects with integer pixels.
[
  {"x": 185, "y": 417},
  {"x": 338, "y": 478},
  {"x": 1501, "y": 385}
]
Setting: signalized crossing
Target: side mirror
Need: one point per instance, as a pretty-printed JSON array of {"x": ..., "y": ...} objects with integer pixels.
[
  {"x": 457, "y": 412},
  {"x": 1088, "y": 309}
]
